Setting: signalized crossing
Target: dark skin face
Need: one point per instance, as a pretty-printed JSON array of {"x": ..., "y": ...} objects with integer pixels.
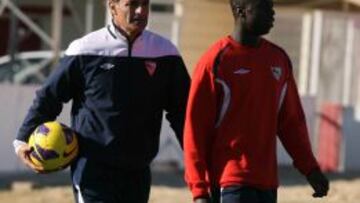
[
  {"x": 253, "y": 18},
  {"x": 130, "y": 16}
]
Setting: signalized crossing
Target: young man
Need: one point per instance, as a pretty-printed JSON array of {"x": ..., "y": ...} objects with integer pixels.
[
  {"x": 120, "y": 79},
  {"x": 242, "y": 96}
]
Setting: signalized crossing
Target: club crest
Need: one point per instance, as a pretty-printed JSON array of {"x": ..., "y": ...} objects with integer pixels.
[
  {"x": 150, "y": 67},
  {"x": 107, "y": 66},
  {"x": 277, "y": 72}
]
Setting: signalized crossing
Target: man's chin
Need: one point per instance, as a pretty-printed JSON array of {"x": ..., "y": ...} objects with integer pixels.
[
  {"x": 262, "y": 32},
  {"x": 138, "y": 27}
]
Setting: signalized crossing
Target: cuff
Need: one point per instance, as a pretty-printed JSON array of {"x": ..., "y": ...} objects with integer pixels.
[
  {"x": 17, "y": 144},
  {"x": 200, "y": 193}
]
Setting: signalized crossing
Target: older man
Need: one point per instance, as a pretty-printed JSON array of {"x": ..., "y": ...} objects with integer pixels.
[{"x": 120, "y": 79}]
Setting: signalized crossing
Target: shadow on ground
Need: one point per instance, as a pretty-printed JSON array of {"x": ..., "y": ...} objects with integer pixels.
[{"x": 161, "y": 176}]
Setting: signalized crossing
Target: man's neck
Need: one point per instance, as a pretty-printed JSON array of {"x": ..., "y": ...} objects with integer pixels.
[{"x": 240, "y": 36}]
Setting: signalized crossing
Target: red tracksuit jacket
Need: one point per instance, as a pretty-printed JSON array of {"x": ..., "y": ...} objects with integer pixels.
[{"x": 240, "y": 99}]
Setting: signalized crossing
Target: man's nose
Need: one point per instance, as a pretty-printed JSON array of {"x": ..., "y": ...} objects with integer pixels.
[{"x": 140, "y": 10}]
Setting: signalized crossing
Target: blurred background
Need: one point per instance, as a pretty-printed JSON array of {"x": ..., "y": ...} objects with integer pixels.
[{"x": 322, "y": 38}]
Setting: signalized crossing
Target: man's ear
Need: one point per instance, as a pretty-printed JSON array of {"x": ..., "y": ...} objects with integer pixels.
[
  {"x": 112, "y": 7},
  {"x": 240, "y": 11}
]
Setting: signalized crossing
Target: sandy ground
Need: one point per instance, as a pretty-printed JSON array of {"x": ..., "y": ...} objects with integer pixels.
[{"x": 168, "y": 187}]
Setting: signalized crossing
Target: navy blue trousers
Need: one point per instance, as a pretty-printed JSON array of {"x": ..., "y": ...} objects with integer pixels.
[
  {"x": 243, "y": 194},
  {"x": 98, "y": 183}
]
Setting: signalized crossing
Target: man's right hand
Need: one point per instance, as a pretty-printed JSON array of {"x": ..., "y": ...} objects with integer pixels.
[
  {"x": 202, "y": 200},
  {"x": 24, "y": 155}
]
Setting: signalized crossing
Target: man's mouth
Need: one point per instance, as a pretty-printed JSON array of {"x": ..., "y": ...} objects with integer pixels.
[{"x": 138, "y": 20}]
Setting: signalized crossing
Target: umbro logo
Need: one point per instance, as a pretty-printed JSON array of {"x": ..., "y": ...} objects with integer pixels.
[
  {"x": 242, "y": 71},
  {"x": 107, "y": 66}
]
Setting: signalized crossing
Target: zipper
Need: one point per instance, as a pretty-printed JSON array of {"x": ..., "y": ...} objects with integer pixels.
[{"x": 130, "y": 44}]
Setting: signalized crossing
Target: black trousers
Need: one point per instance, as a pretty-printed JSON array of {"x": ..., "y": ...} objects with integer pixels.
[
  {"x": 243, "y": 194},
  {"x": 97, "y": 183}
]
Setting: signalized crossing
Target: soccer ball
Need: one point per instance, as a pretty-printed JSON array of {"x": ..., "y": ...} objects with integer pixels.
[{"x": 54, "y": 146}]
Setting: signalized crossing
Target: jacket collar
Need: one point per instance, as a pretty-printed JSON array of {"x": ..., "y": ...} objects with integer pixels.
[{"x": 117, "y": 34}]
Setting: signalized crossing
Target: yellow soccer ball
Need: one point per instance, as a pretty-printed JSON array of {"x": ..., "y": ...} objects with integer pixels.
[{"x": 55, "y": 146}]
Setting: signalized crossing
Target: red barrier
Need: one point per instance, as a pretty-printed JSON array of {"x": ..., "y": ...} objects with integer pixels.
[{"x": 330, "y": 137}]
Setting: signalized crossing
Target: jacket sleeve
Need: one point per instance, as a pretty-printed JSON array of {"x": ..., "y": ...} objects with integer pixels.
[
  {"x": 293, "y": 131},
  {"x": 47, "y": 105},
  {"x": 199, "y": 126},
  {"x": 178, "y": 94}
]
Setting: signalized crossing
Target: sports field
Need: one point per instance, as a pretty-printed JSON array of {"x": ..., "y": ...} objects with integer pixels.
[{"x": 168, "y": 187}]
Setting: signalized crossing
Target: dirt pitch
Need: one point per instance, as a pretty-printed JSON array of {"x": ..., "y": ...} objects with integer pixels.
[{"x": 169, "y": 187}]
